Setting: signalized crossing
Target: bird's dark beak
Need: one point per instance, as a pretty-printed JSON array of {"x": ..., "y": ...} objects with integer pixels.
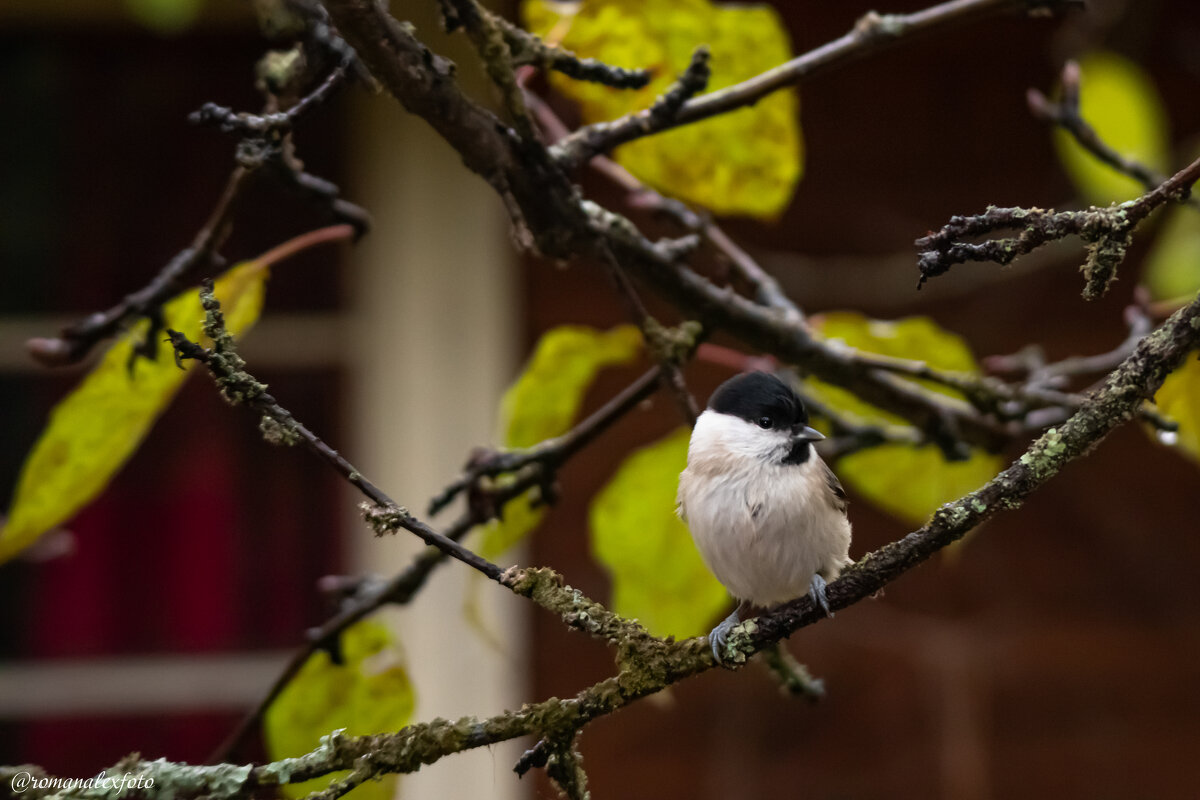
[{"x": 804, "y": 433}]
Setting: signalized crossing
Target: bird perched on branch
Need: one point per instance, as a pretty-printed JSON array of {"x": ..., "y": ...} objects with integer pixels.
[{"x": 766, "y": 513}]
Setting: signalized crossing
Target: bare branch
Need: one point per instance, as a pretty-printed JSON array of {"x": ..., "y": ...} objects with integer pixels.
[
  {"x": 528, "y": 49},
  {"x": 662, "y": 114},
  {"x": 76, "y": 341},
  {"x": 871, "y": 33},
  {"x": 277, "y": 123},
  {"x": 1106, "y": 231},
  {"x": 551, "y": 454},
  {"x": 239, "y": 387}
]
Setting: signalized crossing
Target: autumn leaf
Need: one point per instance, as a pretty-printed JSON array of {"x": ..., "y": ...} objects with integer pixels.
[
  {"x": 369, "y": 692},
  {"x": 1172, "y": 268},
  {"x": 884, "y": 475},
  {"x": 544, "y": 402},
  {"x": 94, "y": 430},
  {"x": 1179, "y": 399},
  {"x": 745, "y": 162},
  {"x": 657, "y": 574}
]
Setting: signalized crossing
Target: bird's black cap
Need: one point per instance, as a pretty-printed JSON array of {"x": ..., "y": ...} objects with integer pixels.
[{"x": 758, "y": 396}]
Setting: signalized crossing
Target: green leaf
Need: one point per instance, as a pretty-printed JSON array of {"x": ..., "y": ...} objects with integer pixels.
[
  {"x": 1172, "y": 268},
  {"x": 94, "y": 430},
  {"x": 1179, "y": 399},
  {"x": 1118, "y": 99},
  {"x": 544, "y": 402},
  {"x": 368, "y": 693},
  {"x": 884, "y": 475},
  {"x": 657, "y": 574},
  {"x": 746, "y": 162}
]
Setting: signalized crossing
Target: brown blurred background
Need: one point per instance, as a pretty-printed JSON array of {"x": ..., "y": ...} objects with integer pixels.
[{"x": 1058, "y": 654}]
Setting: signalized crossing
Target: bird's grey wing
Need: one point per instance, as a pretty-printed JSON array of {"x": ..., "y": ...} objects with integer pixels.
[{"x": 838, "y": 494}]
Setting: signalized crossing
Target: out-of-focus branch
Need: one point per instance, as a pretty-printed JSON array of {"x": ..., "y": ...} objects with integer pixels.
[
  {"x": 1066, "y": 115},
  {"x": 75, "y": 341},
  {"x": 277, "y": 123},
  {"x": 662, "y": 114}
]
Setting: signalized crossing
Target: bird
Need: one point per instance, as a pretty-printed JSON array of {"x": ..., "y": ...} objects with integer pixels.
[{"x": 766, "y": 513}]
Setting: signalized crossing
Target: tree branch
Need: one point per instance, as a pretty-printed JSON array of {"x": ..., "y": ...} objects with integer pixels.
[
  {"x": 277, "y": 123},
  {"x": 1106, "y": 231},
  {"x": 871, "y": 33},
  {"x": 75, "y": 341},
  {"x": 383, "y": 514},
  {"x": 552, "y": 453},
  {"x": 1066, "y": 115}
]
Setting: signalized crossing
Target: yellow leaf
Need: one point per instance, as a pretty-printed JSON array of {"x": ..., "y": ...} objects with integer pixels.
[
  {"x": 885, "y": 475},
  {"x": 912, "y": 482},
  {"x": 369, "y": 692},
  {"x": 97, "y": 427},
  {"x": 915, "y": 338},
  {"x": 1172, "y": 268},
  {"x": 745, "y": 162},
  {"x": 657, "y": 574},
  {"x": 1119, "y": 100},
  {"x": 544, "y": 402},
  {"x": 1179, "y": 399}
]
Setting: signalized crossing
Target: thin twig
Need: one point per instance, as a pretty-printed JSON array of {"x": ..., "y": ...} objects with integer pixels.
[
  {"x": 657, "y": 338},
  {"x": 75, "y": 341},
  {"x": 494, "y": 46},
  {"x": 1066, "y": 115},
  {"x": 549, "y": 455},
  {"x": 278, "y": 123},
  {"x": 870, "y": 33},
  {"x": 528, "y": 49},
  {"x": 580, "y": 146},
  {"x": 1106, "y": 231},
  {"x": 384, "y": 514},
  {"x": 794, "y": 677}
]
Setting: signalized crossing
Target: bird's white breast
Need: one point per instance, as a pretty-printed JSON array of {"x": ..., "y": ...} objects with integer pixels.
[{"x": 763, "y": 527}]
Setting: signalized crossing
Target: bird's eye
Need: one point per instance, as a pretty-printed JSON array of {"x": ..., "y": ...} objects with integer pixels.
[{"x": 764, "y": 422}]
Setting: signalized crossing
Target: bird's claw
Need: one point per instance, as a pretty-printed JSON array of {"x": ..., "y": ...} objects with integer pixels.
[
  {"x": 720, "y": 635},
  {"x": 816, "y": 590}
]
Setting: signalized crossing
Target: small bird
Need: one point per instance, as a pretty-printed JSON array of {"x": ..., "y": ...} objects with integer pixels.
[{"x": 766, "y": 513}]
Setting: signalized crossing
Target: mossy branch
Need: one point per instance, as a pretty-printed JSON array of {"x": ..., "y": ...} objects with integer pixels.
[
  {"x": 241, "y": 388},
  {"x": 1107, "y": 232}
]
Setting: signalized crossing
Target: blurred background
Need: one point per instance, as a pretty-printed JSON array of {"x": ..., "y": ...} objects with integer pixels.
[{"x": 1056, "y": 654}]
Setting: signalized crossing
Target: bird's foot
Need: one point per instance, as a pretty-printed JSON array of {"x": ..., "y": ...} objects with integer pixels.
[
  {"x": 816, "y": 590},
  {"x": 720, "y": 635}
]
